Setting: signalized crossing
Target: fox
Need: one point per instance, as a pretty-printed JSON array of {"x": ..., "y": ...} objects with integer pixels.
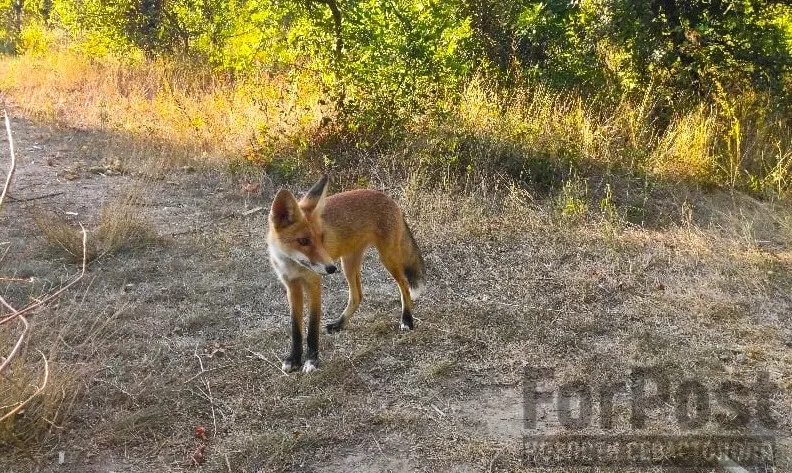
[{"x": 306, "y": 237}]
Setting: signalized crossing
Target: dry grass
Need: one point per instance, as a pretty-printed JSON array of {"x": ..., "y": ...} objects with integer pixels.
[
  {"x": 75, "y": 341},
  {"x": 64, "y": 236},
  {"x": 510, "y": 285},
  {"x": 542, "y": 137},
  {"x": 198, "y": 116},
  {"x": 27, "y": 395},
  {"x": 120, "y": 227},
  {"x": 687, "y": 150},
  {"x": 178, "y": 114}
]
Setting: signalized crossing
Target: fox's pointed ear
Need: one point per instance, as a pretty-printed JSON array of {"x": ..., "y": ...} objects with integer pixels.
[
  {"x": 284, "y": 209},
  {"x": 314, "y": 198}
]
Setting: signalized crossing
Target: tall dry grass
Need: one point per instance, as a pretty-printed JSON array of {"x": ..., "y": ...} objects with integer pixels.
[
  {"x": 737, "y": 143},
  {"x": 119, "y": 227},
  {"x": 75, "y": 343},
  {"x": 534, "y": 135},
  {"x": 206, "y": 116}
]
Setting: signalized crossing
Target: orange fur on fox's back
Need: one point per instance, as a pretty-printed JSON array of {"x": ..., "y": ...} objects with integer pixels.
[{"x": 359, "y": 218}]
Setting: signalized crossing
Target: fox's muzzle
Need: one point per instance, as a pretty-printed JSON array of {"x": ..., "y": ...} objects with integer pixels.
[
  {"x": 318, "y": 268},
  {"x": 323, "y": 269}
]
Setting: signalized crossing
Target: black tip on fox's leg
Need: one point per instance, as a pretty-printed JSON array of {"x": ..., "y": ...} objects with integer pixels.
[
  {"x": 407, "y": 322},
  {"x": 335, "y": 327},
  {"x": 291, "y": 364}
]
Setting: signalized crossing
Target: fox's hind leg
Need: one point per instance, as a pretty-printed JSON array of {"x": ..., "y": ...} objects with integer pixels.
[
  {"x": 396, "y": 268},
  {"x": 351, "y": 265}
]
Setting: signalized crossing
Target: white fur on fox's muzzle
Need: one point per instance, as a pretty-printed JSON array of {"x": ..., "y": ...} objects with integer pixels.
[
  {"x": 283, "y": 260},
  {"x": 318, "y": 268}
]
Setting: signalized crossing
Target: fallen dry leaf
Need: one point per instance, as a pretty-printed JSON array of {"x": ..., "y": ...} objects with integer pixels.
[{"x": 198, "y": 456}]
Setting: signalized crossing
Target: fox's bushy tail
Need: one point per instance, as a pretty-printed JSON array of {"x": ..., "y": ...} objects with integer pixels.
[{"x": 414, "y": 268}]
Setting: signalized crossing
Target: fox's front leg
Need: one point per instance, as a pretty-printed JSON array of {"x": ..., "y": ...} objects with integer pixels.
[
  {"x": 314, "y": 288},
  {"x": 293, "y": 362}
]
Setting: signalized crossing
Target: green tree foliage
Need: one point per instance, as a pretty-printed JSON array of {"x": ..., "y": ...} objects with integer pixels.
[
  {"x": 699, "y": 45},
  {"x": 684, "y": 46},
  {"x": 393, "y": 52},
  {"x": 394, "y": 55}
]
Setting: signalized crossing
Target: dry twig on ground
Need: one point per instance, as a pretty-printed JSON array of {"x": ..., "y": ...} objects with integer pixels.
[{"x": 19, "y": 314}]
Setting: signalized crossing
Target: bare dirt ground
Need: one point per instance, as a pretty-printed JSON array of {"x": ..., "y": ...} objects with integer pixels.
[{"x": 706, "y": 298}]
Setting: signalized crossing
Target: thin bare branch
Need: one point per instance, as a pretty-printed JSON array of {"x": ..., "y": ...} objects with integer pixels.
[
  {"x": 18, "y": 344},
  {"x": 15, "y": 279},
  {"x": 60, "y": 291},
  {"x": 11, "y": 170},
  {"x": 38, "y": 390},
  {"x": 19, "y": 314}
]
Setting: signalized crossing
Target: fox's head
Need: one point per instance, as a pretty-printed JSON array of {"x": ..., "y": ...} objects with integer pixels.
[{"x": 296, "y": 228}]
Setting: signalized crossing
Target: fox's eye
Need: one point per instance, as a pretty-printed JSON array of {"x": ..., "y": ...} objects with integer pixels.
[{"x": 303, "y": 241}]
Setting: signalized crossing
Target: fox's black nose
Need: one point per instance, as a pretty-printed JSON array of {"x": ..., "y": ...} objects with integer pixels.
[{"x": 330, "y": 269}]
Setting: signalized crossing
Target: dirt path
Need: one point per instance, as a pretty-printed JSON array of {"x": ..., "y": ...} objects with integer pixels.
[{"x": 445, "y": 397}]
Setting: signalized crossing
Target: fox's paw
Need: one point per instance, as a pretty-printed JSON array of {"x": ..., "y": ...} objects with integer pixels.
[
  {"x": 310, "y": 365},
  {"x": 335, "y": 327},
  {"x": 406, "y": 322},
  {"x": 289, "y": 365}
]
